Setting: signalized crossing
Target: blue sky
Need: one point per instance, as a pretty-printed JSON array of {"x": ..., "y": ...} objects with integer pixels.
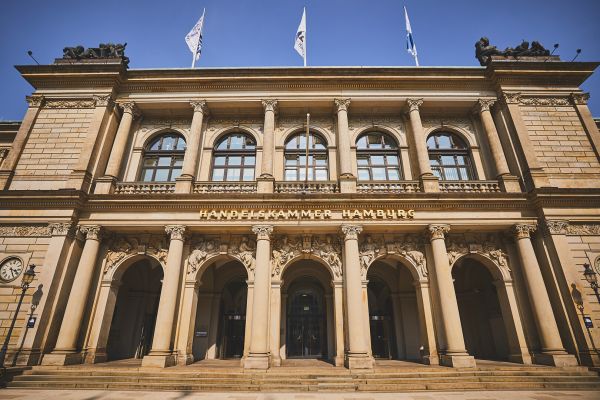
[{"x": 261, "y": 33}]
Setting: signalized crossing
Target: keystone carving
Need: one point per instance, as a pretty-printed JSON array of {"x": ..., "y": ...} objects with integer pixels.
[
  {"x": 488, "y": 246},
  {"x": 240, "y": 247}
]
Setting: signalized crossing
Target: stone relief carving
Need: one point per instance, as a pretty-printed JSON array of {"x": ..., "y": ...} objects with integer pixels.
[
  {"x": 545, "y": 101},
  {"x": 556, "y": 227},
  {"x": 61, "y": 228},
  {"x": 326, "y": 247},
  {"x": 120, "y": 247},
  {"x": 70, "y": 103},
  {"x": 375, "y": 246},
  {"x": 583, "y": 229},
  {"x": 361, "y": 122},
  {"x": 240, "y": 247},
  {"x": 285, "y": 123},
  {"x": 461, "y": 123},
  {"x": 580, "y": 98},
  {"x": 487, "y": 245},
  {"x": 36, "y": 100},
  {"x": 30, "y": 230}
]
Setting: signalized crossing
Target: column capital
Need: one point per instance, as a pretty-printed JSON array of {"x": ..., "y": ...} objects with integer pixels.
[
  {"x": 270, "y": 104},
  {"x": 510, "y": 97},
  {"x": 482, "y": 105},
  {"x": 437, "y": 231},
  {"x": 351, "y": 232},
  {"x": 262, "y": 231},
  {"x": 61, "y": 228},
  {"x": 35, "y": 100},
  {"x": 3, "y": 153},
  {"x": 176, "y": 232},
  {"x": 91, "y": 232},
  {"x": 523, "y": 231},
  {"x": 103, "y": 100},
  {"x": 342, "y": 104},
  {"x": 555, "y": 227},
  {"x": 414, "y": 104},
  {"x": 199, "y": 106},
  {"x": 130, "y": 108},
  {"x": 579, "y": 98}
]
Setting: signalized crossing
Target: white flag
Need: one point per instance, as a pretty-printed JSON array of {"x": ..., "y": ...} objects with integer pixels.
[
  {"x": 194, "y": 39},
  {"x": 411, "y": 47},
  {"x": 300, "y": 44}
]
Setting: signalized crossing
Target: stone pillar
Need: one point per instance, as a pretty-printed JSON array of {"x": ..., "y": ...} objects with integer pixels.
[
  {"x": 258, "y": 356},
  {"x": 65, "y": 352},
  {"x": 579, "y": 101},
  {"x": 7, "y": 169},
  {"x": 397, "y": 315},
  {"x": 347, "y": 179},
  {"x": 517, "y": 345},
  {"x": 275, "y": 322},
  {"x": 455, "y": 354},
  {"x": 330, "y": 327},
  {"x": 429, "y": 182},
  {"x": 185, "y": 339},
  {"x": 100, "y": 328},
  {"x": 429, "y": 354},
  {"x": 552, "y": 352},
  {"x": 190, "y": 160},
  {"x": 507, "y": 181},
  {"x": 338, "y": 315},
  {"x": 357, "y": 356},
  {"x": 266, "y": 181},
  {"x": 106, "y": 184},
  {"x": 161, "y": 355},
  {"x": 248, "y": 322}
]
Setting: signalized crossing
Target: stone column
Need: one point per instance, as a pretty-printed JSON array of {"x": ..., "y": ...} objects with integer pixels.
[
  {"x": 347, "y": 179},
  {"x": 65, "y": 352},
  {"x": 275, "y": 322},
  {"x": 161, "y": 354},
  {"x": 430, "y": 354},
  {"x": 189, "y": 307},
  {"x": 553, "y": 352},
  {"x": 455, "y": 354},
  {"x": 258, "y": 356},
  {"x": 429, "y": 182},
  {"x": 338, "y": 314},
  {"x": 517, "y": 345},
  {"x": 509, "y": 182},
  {"x": 397, "y": 315},
  {"x": 357, "y": 356},
  {"x": 266, "y": 181},
  {"x": 100, "y": 328},
  {"x": 106, "y": 184},
  {"x": 190, "y": 160}
]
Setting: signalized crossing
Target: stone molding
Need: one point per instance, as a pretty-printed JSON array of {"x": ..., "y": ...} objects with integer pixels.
[
  {"x": 270, "y": 105},
  {"x": 35, "y": 101},
  {"x": 350, "y": 231},
  {"x": 374, "y": 247},
  {"x": 91, "y": 232},
  {"x": 518, "y": 98},
  {"x": 199, "y": 106},
  {"x": 240, "y": 247},
  {"x": 289, "y": 247},
  {"x": 121, "y": 247},
  {"x": 523, "y": 231},
  {"x": 414, "y": 104},
  {"x": 438, "y": 231},
  {"x": 487, "y": 245},
  {"x": 69, "y": 103},
  {"x": 27, "y": 230},
  {"x": 342, "y": 104},
  {"x": 175, "y": 232}
]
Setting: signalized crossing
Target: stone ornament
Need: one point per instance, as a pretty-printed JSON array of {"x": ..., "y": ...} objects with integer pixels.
[
  {"x": 414, "y": 104},
  {"x": 342, "y": 104},
  {"x": 199, "y": 106},
  {"x": 489, "y": 246},
  {"x": 483, "y": 105},
  {"x": 263, "y": 232},
  {"x": 240, "y": 247},
  {"x": 351, "y": 232},
  {"x": 510, "y": 97},
  {"x": 579, "y": 98},
  {"x": 102, "y": 101},
  {"x": 376, "y": 246},
  {"x": 484, "y": 51},
  {"x": 438, "y": 231},
  {"x": 121, "y": 247},
  {"x": 583, "y": 229},
  {"x": 61, "y": 228},
  {"x": 27, "y": 230},
  {"x": 91, "y": 232},
  {"x": 36, "y": 100},
  {"x": 270, "y": 105},
  {"x": 130, "y": 108},
  {"x": 523, "y": 231},
  {"x": 324, "y": 247},
  {"x": 69, "y": 103},
  {"x": 176, "y": 232},
  {"x": 556, "y": 227},
  {"x": 545, "y": 101}
]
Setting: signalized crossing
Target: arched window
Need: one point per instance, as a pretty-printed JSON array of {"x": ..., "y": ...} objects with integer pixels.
[
  {"x": 377, "y": 157},
  {"x": 163, "y": 158},
  {"x": 296, "y": 162},
  {"x": 449, "y": 157},
  {"x": 234, "y": 158}
]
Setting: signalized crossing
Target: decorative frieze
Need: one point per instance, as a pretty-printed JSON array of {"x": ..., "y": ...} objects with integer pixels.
[
  {"x": 463, "y": 124},
  {"x": 121, "y": 247},
  {"x": 583, "y": 229},
  {"x": 103, "y": 100},
  {"x": 240, "y": 247},
  {"x": 69, "y": 103},
  {"x": 25, "y": 230},
  {"x": 378, "y": 246},
  {"x": 35, "y": 101},
  {"x": 545, "y": 101},
  {"x": 325, "y": 247},
  {"x": 556, "y": 227},
  {"x": 510, "y": 97},
  {"x": 61, "y": 228}
]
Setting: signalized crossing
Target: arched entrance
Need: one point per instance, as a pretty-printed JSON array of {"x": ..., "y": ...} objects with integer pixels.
[
  {"x": 230, "y": 343},
  {"x": 381, "y": 320},
  {"x": 134, "y": 317},
  {"x": 480, "y": 312},
  {"x": 306, "y": 319}
]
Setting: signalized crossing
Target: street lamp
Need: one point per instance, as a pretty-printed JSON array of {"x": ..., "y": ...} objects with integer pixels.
[
  {"x": 28, "y": 277},
  {"x": 592, "y": 278}
]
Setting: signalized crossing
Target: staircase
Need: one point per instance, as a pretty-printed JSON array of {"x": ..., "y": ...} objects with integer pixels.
[{"x": 298, "y": 379}]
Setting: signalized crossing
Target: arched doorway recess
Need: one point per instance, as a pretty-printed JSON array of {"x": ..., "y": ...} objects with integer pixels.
[
  {"x": 480, "y": 311},
  {"x": 134, "y": 317}
]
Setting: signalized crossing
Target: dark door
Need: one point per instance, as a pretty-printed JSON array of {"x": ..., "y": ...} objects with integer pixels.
[
  {"x": 232, "y": 345},
  {"x": 380, "y": 341},
  {"x": 306, "y": 323}
]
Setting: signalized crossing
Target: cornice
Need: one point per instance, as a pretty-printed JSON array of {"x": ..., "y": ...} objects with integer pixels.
[{"x": 548, "y": 74}]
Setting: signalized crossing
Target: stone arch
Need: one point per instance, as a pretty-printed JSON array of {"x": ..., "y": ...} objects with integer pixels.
[
  {"x": 397, "y": 135},
  {"x": 309, "y": 256},
  {"x": 146, "y": 137},
  {"x": 217, "y": 135},
  {"x": 115, "y": 272},
  {"x": 417, "y": 271},
  {"x": 288, "y": 133},
  {"x": 195, "y": 274},
  {"x": 469, "y": 138},
  {"x": 500, "y": 273}
]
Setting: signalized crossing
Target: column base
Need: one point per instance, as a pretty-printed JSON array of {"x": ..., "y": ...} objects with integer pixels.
[
  {"x": 96, "y": 356},
  {"x": 105, "y": 185},
  {"x": 362, "y": 361},
  {"x": 338, "y": 361},
  {"x": 265, "y": 184},
  {"x": 256, "y": 361},
  {"x": 429, "y": 183},
  {"x": 159, "y": 360},
  {"x": 457, "y": 360},
  {"x": 556, "y": 360},
  {"x": 430, "y": 359},
  {"x": 347, "y": 184},
  {"x": 185, "y": 359},
  {"x": 184, "y": 184},
  {"x": 509, "y": 183},
  {"x": 275, "y": 361},
  {"x": 27, "y": 357},
  {"x": 523, "y": 358},
  {"x": 62, "y": 358}
]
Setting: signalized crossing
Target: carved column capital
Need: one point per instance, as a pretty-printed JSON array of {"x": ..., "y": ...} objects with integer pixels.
[
  {"x": 199, "y": 106},
  {"x": 556, "y": 227},
  {"x": 483, "y": 105},
  {"x": 263, "y": 232},
  {"x": 351, "y": 232},
  {"x": 414, "y": 104},
  {"x": 438, "y": 231},
  {"x": 176, "y": 232},
  {"x": 60, "y": 228},
  {"x": 510, "y": 97},
  {"x": 91, "y": 232},
  {"x": 270, "y": 105},
  {"x": 579, "y": 98},
  {"x": 130, "y": 108},
  {"x": 3, "y": 154},
  {"x": 342, "y": 104},
  {"x": 523, "y": 231},
  {"x": 103, "y": 100},
  {"x": 35, "y": 100}
]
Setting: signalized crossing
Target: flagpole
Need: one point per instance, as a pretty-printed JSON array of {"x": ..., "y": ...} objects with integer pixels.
[
  {"x": 305, "y": 35},
  {"x": 306, "y": 154}
]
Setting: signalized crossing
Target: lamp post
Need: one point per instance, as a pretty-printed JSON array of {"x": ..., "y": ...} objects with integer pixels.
[
  {"x": 28, "y": 277},
  {"x": 592, "y": 278}
]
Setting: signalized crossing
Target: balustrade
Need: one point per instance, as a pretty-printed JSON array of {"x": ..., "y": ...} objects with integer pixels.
[
  {"x": 306, "y": 187},
  {"x": 144, "y": 187},
  {"x": 470, "y": 186},
  {"x": 388, "y": 187}
]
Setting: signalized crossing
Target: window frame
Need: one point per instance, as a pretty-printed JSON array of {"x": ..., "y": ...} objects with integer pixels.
[
  {"x": 384, "y": 152},
  {"x": 228, "y": 153},
  {"x": 460, "y": 149},
  {"x": 313, "y": 154},
  {"x": 174, "y": 154}
]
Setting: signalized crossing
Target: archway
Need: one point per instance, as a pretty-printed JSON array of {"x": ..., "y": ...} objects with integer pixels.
[
  {"x": 393, "y": 311},
  {"x": 480, "y": 311},
  {"x": 134, "y": 317}
]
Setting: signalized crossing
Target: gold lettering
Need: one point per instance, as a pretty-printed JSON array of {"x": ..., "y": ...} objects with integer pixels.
[
  {"x": 204, "y": 214},
  {"x": 318, "y": 214},
  {"x": 223, "y": 215},
  {"x": 402, "y": 214},
  {"x": 233, "y": 214},
  {"x": 244, "y": 214},
  {"x": 369, "y": 213},
  {"x": 281, "y": 214},
  {"x": 327, "y": 214},
  {"x": 380, "y": 214},
  {"x": 357, "y": 214},
  {"x": 260, "y": 214},
  {"x": 391, "y": 214},
  {"x": 346, "y": 214},
  {"x": 305, "y": 214},
  {"x": 212, "y": 214},
  {"x": 293, "y": 214},
  {"x": 411, "y": 213}
]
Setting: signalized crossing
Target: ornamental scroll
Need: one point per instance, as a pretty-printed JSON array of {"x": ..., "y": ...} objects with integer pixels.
[
  {"x": 240, "y": 247},
  {"x": 121, "y": 247},
  {"x": 377, "y": 246},
  {"x": 489, "y": 246},
  {"x": 326, "y": 247}
]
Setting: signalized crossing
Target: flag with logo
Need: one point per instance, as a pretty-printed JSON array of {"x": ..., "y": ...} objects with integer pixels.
[
  {"x": 300, "y": 43},
  {"x": 411, "y": 47},
  {"x": 194, "y": 39}
]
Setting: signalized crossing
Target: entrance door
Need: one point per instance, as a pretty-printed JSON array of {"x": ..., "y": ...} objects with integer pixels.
[
  {"x": 380, "y": 343},
  {"x": 232, "y": 345},
  {"x": 306, "y": 324}
]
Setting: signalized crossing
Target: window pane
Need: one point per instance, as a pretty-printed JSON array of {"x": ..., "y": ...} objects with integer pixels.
[
  {"x": 164, "y": 161},
  {"x": 434, "y": 161},
  {"x": 377, "y": 160},
  {"x": 393, "y": 174},
  {"x": 321, "y": 161},
  {"x": 375, "y": 142},
  {"x": 220, "y": 160},
  {"x": 302, "y": 174},
  {"x": 290, "y": 161},
  {"x": 249, "y": 160},
  {"x": 233, "y": 174},
  {"x": 379, "y": 174},
  {"x": 362, "y": 143},
  {"x": 150, "y": 162},
  {"x": 451, "y": 174},
  {"x": 290, "y": 175},
  {"x": 180, "y": 144},
  {"x": 178, "y": 162},
  {"x": 321, "y": 175},
  {"x": 444, "y": 142},
  {"x": 437, "y": 173},
  {"x": 175, "y": 174},
  {"x": 162, "y": 175},
  {"x": 448, "y": 160},
  {"x": 293, "y": 143},
  {"x": 463, "y": 174},
  {"x": 362, "y": 161},
  {"x": 392, "y": 160},
  {"x": 363, "y": 174},
  {"x": 235, "y": 160},
  {"x": 147, "y": 175},
  {"x": 248, "y": 174},
  {"x": 168, "y": 143},
  {"x": 249, "y": 142},
  {"x": 431, "y": 142},
  {"x": 236, "y": 142},
  {"x": 217, "y": 174}
]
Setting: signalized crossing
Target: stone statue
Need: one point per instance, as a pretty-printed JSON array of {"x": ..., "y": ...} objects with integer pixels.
[
  {"x": 483, "y": 50},
  {"x": 104, "y": 50}
]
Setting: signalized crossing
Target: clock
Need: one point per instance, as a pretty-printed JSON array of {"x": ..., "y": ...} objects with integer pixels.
[{"x": 10, "y": 269}]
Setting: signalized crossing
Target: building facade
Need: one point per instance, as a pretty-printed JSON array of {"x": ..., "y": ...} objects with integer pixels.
[{"x": 436, "y": 214}]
